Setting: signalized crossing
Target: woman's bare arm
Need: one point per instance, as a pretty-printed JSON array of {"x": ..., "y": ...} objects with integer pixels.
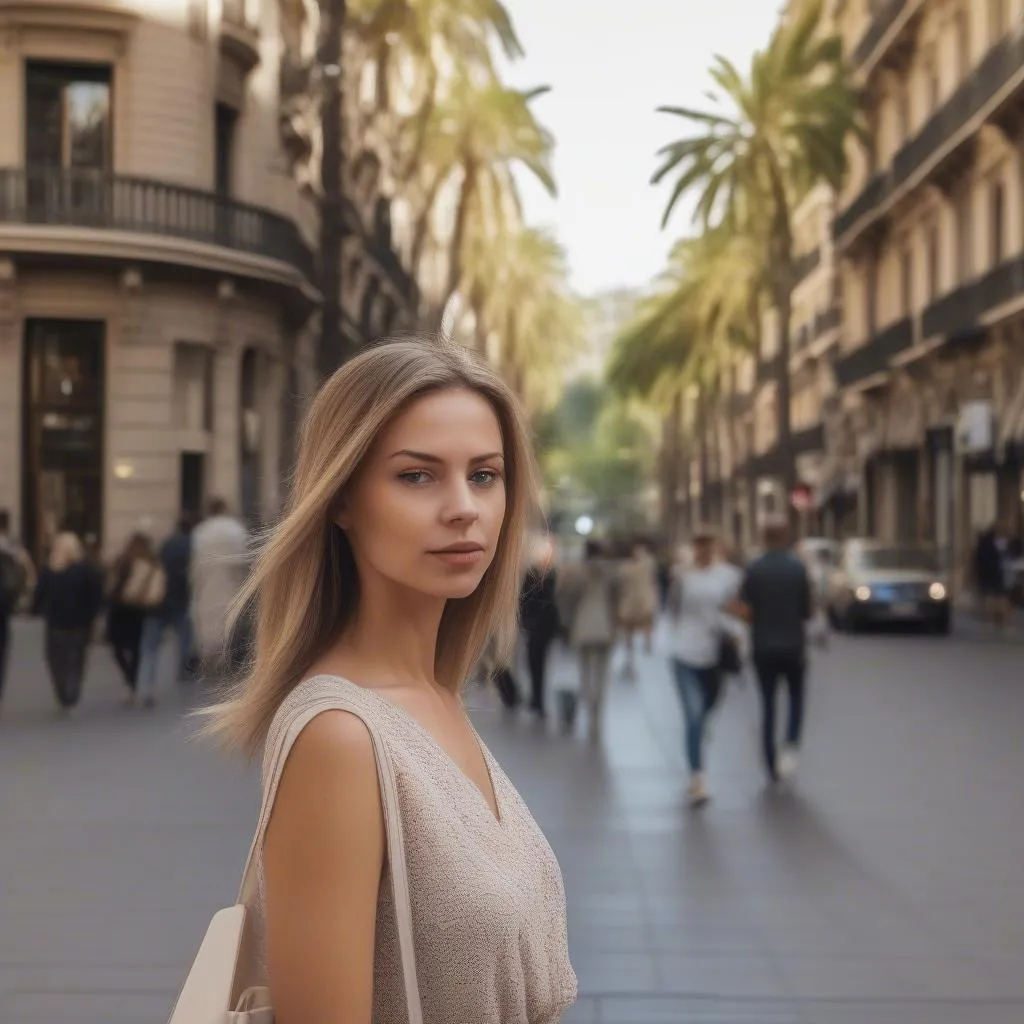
[{"x": 322, "y": 864}]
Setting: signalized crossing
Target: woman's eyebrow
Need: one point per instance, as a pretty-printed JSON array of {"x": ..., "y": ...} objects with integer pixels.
[{"x": 427, "y": 457}]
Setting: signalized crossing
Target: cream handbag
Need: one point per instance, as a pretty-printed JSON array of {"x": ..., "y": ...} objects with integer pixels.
[{"x": 226, "y": 984}]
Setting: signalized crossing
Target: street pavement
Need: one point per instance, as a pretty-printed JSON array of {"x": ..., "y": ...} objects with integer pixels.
[{"x": 884, "y": 886}]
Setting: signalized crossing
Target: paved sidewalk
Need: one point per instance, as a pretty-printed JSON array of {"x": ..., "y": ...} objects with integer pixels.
[{"x": 884, "y": 888}]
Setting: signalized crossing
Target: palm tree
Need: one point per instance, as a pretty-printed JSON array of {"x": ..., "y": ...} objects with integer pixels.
[
  {"x": 749, "y": 165},
  {"x": 477, "y": 133}
]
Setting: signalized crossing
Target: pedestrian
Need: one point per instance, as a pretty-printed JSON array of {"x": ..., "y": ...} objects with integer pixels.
[
  {"x": 68, "y": 596},
  {"x": 776, "y": 599},
  {"x": 220, "y": 559},
  {"x": 991, "y": 557},
  {"x": 138, "y": 585},
  {"x": 701, "y": 641},
  {"x": 638, "y": 602},
  {"x": 393, "y": 827},
  {"x": 540, "y": 620},
  {"x": 172, "y": 613},
  {"x": 17, "y": 577},
  {"x": 587, "y": 597}
]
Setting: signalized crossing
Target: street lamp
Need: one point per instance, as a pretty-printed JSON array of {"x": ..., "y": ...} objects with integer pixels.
[{"x": 584, "y": 526}]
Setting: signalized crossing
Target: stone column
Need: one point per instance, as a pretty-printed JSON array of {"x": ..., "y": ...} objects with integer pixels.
[
  {"x": 10, "y": 394},
  {"x": 223, "y": 478}
]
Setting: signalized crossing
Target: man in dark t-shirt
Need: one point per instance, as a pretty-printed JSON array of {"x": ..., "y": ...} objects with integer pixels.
[{"x": 776, "y": 597}]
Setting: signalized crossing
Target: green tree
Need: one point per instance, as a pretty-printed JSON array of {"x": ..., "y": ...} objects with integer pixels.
[{"x": 783, "y": 130}]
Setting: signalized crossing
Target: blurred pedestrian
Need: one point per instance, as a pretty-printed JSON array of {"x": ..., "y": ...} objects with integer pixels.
[
  {"x": 638, "y": 602},
  {"x": 219, "y": 563},
  {"x": 991, "y": 558},
  {"x": 69, "y": 596},
  {"x": 540, "y": 620},
  {"x": 702, "y": 644},
  {"x": 138, "y": 587},
  {"x": 172, "y": 613},
  {"x": 776, "y": 599},
  {"x": 17, "y": 576},
  {"x": 587, "y": 597}
]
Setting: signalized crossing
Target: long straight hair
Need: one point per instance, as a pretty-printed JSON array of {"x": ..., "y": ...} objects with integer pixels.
[{"x": 304, "y": 588}]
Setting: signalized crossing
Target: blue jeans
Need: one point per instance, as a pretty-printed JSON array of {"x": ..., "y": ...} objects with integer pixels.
[
  {"x": 698, "y": 691},
  {"x": 152, "y": 636}
]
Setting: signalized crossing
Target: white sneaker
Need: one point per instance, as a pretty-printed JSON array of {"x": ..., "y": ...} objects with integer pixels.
[
  {"x": 787, "y": 763},
  {"x": 698, "y": 791}
]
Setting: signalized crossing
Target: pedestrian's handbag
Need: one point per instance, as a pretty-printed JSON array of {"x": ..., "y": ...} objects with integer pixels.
[
  {"x": 146, "y": 586},
  {"x": 226, "y": 984},
  {"x": 729, "y": 661}
]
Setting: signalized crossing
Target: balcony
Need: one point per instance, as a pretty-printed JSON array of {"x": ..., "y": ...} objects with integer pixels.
[
  {"x": 809, "y": 439},
  {"x": 994, "y": 85},
  {"x": 827, "y": 320},
  {"x": 806, "y": 265},
  {"x": 959, "y": 313},
  {"x": 239, "y": 34},
  {"x": 49, "y": 198},
  {"x": 874, "y": 356},
  {"x": 884, "y": 29},
  {"x": 769, "y": 369}
]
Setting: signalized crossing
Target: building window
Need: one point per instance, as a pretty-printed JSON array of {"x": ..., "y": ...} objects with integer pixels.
[
  {"x": 931, "y": 78},
  {"x": 932, "y": 256},
  {"x": 225, "y": 121},
  {"x": 996, "y": 211},
  {"x": 964, "y": 263},
  {"x": 68, "y": 117},
  {"x": 193, "y": 387},
  {"x": 997, "y": 20},
  {"x": 962, "y": 24},
  {"x": 907, "y": 280}
]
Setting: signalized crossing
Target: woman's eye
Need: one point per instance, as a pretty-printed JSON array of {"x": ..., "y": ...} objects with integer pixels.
[
  {"x": 414, "y": 476},
  {"x": 485, "y": 477}
]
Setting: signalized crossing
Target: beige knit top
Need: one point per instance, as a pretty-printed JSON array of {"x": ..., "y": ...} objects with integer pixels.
[{"x": 488, "y": 903}]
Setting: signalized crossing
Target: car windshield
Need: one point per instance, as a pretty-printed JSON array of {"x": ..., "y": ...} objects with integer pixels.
[{"x": 899, "y": 559}]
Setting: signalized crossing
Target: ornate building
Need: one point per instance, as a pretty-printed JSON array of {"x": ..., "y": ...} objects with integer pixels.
[
  {"x": 158, "y": 271},
  {"x": 931, "y": 238}
]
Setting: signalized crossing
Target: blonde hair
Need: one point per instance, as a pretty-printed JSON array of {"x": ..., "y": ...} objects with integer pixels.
[
  {"x": 65, "y": 551},
  {"x": 304, "y": 587}
]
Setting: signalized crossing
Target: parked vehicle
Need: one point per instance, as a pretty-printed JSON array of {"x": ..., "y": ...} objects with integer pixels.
[{"x": 876, "y": 583}]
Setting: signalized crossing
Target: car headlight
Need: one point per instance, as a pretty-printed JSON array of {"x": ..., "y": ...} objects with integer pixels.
[
  {"x": 937, "y": 592},
  {"x": 862, "y": 593}
]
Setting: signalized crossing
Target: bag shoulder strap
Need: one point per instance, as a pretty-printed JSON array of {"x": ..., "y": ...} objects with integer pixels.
[{"x": 283, "y": 734}]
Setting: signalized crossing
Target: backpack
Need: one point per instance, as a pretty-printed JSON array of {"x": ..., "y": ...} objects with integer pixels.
[{"x": 12, "y": 581}]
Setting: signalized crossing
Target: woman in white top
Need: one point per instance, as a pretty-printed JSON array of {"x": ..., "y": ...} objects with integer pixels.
[{"x": 698, "y": 603}]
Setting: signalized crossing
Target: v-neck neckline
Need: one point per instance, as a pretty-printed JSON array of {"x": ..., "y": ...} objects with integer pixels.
[{"x": 495, "y": 813}]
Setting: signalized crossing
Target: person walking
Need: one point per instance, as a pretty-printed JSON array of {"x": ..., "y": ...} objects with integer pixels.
[
  {"x": 700, "y": 632},
  {"x": 68, "y": 597},
  {"x": 17, "y": 577},
  {"x": 172, "y": 613},
  {"x": 638, "y": 602},
  {"x": 587, "y": 597},
  {"x": 220, "y": 558},
  {"x": 398, "y": 557},
  {"x": 138, "y": 588},
  {"x": 776, "y": 599},
  {"x": 991, "y": 556},
  {"x": 540, "y": 621}
]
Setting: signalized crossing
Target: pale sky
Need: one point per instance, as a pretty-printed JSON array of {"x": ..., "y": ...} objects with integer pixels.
[{"x": 610, "y": 63}]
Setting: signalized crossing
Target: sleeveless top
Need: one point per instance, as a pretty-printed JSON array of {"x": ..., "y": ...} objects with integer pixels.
[{"x": 488, "y": 902}]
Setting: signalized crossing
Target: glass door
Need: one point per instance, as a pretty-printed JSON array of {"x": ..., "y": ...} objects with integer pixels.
[{"x": 63, "y": 431}]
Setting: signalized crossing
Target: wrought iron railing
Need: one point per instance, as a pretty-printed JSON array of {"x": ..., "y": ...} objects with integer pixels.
[
  {"x": 873, "y": 357},
  {"x": 880, "y": 24},
  {"x": 958, "y": 313},
  {"x": 56, "y": 196}
]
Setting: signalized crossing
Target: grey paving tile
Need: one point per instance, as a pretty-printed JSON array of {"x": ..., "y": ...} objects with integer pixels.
[
  {"x": 718, "y": 976},
  {"x": 677, "y": 1010},
  {"x": 822, "y": 977},
  {"x": 614, "y": 973}
]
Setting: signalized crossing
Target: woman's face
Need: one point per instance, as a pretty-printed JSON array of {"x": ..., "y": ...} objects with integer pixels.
[{"x": 426, "y": 507}]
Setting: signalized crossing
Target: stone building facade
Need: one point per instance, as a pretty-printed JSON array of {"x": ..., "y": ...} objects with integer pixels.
[
  {"x": 158, "y": 271},
  {"x": 930, "y": 233}
]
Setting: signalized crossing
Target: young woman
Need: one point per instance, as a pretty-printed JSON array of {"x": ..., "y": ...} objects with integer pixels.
[
  {"x": 68, "y": 596},
  {"x": 398, "y": 557},
  {"x": 701, "y": 596},
  {"x": 136, "y": 578}
]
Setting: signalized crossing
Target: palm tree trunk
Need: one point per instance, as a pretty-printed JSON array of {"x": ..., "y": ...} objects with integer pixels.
[
  {"x": 733, "y": 484},
  {"x": 671, "y": 438},
  {"x": 459, "y": 232},
  {"x": 422, "y": 229},
  {"x": 703, "y": 454}
]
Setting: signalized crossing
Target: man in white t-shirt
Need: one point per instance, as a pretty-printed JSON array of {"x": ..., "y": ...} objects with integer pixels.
[{"x": 699, "y": 599}]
